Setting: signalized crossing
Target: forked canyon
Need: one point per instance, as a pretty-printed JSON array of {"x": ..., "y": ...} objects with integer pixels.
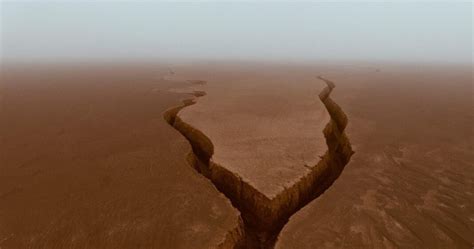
[{"x": 236, "y": 155}]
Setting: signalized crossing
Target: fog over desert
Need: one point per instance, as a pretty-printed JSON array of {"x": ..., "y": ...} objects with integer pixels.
[{"x": 236, "y": 124}]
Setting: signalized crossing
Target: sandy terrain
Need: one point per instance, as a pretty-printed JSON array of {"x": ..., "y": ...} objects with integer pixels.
[
  {"x": 410, "y": 182},
  {"x": 87, "y": 161},
  {"x": 102, "y": 158}
]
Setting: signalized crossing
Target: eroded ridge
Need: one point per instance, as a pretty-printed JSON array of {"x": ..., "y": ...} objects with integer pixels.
[{"x": 264, "y": 217}]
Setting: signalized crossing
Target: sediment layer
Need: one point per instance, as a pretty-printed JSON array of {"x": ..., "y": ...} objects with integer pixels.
[{"x": 264, "y": 217}]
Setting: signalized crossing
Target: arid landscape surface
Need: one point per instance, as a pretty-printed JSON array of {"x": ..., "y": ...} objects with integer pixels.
[
  {"x": 87, "y": 161},
  {"x": 257, "y": 156},
  {"x": 410, "y": 182}
]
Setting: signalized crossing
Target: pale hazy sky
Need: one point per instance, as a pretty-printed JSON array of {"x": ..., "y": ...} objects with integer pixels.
[{"x": 58, "y": 31}]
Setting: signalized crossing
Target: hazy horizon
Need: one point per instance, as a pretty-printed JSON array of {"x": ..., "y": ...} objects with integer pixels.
[{"x": 275, "y": 31}]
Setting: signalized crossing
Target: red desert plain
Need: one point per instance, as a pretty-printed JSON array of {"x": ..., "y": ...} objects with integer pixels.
[{"x": 236, "y": 155}]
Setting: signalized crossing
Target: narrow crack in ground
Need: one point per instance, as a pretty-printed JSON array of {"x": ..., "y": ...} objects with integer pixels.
[{"x": 263, "y": 218}]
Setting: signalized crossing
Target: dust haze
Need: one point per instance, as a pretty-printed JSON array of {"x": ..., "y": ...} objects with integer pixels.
[{"x": 275, "y": 31}]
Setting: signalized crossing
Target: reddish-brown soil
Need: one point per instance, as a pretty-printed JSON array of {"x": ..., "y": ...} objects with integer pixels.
[
  {"x": 87, "y": 161},
  {"x": 410, "y": 182},
  {"x": 111, "y": 157}
]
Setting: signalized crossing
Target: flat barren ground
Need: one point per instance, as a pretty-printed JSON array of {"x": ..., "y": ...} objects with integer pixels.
[
  {"x": 265, "y": 125},
  {"x": 87, "y": 161},
  {"x": 410, "y": 182},
  {"x": 237, "y": 155}
]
